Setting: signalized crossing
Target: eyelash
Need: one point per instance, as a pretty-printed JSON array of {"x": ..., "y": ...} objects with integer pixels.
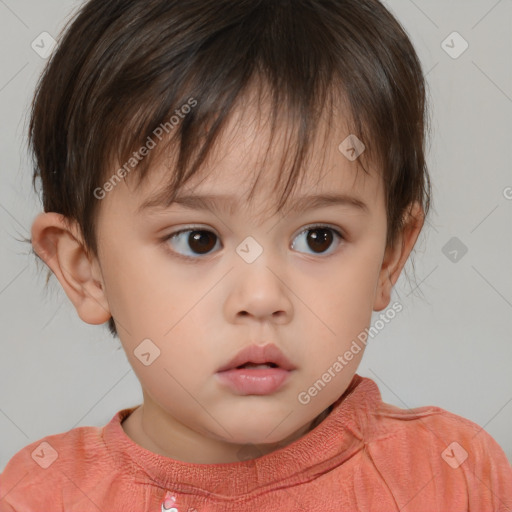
[{"x": 201, "y": 229}]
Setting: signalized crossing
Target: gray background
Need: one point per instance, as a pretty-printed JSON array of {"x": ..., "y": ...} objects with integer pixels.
[{"x": 450, "y": 346}]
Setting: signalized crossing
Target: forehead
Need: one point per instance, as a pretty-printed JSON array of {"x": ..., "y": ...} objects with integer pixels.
[{"x": 250, "y": 164}]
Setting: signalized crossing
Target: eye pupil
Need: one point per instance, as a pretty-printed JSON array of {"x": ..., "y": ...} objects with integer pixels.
[
  {"x": 320, "y": 239},
  {"x": 201, "y": 242}
]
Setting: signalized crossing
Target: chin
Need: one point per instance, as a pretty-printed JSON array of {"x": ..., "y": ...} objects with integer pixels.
[{"x": 259, "y": 435}]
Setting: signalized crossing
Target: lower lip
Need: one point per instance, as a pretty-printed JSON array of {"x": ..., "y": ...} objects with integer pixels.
[{"x": 257, "y": 381}]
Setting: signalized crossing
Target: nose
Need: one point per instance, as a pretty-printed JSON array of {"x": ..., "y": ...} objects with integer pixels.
[{"x": 259, "y": 290}]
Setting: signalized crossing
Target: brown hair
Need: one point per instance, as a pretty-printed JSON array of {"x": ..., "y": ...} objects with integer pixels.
[{"x": 124, "y": 67}]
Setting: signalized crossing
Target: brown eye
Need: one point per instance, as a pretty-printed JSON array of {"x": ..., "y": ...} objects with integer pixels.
[
  {"x": 201, "y": 242},
  {"x": 319, "y": 239},
  {"x": 196, "y": 241}
]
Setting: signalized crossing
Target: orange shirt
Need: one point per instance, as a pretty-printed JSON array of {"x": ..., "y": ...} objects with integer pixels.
[{"x": 366, "y": 455}]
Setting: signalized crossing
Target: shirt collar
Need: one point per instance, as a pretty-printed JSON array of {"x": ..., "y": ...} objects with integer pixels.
[{"x": 326, "y": 446}]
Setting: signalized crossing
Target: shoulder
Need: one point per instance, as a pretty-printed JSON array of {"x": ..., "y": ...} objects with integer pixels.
[
  {"x": 435, "y": 424},
  {"x": 44, "y": 471},
  {"x": 449, "y": 454}
]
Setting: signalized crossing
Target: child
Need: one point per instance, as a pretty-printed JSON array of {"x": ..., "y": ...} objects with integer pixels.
[{"x": 161, "y": 125}]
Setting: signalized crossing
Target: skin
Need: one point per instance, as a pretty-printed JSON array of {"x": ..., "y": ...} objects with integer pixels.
[{"x": 311, "y": 305}]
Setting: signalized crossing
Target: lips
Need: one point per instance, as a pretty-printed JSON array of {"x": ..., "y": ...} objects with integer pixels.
[
  {"x": 256, "y": 370},
  {"x": 259, "y": 355}
]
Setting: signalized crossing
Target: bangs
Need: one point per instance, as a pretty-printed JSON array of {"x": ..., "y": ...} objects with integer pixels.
[{"x": 294, "y": 128}]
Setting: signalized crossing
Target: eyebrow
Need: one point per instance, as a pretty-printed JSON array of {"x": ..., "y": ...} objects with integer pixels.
[{"x": 217, "y": 203}]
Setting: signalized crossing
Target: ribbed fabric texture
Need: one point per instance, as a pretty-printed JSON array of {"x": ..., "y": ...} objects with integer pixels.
[{"x": 364, "y": 456}]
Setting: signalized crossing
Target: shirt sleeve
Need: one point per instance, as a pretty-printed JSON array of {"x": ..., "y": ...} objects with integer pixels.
[
  {"x": 490, "y": 477},
  {"x": 24, "y": 486}
]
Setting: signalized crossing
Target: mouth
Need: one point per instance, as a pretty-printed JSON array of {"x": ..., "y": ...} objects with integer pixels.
[
  {"x": 256, "y": 370},
  {"x": 254, "y": 356},
  {"x": 256, "y": 366},
  {"x": 254, "y": 379}
]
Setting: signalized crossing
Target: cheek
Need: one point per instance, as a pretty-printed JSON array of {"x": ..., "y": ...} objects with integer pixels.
[
  {"x": 343, "y": 298},
  {"x": 144, "y": 293},
  {"x": 155, "y": 300}
]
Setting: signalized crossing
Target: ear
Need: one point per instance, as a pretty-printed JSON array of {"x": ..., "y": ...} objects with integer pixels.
[
  {"x": 396, "y": 256},
  {"x": 58, "y": 242}
]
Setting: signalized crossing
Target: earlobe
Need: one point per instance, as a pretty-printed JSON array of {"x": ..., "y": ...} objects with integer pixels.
[
  {"x": 396, "y": 256},
  {"x": 59, "y": 244}
]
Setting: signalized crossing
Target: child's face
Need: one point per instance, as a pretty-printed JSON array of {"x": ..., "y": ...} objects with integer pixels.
[{"x": 311, "y": 300}]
